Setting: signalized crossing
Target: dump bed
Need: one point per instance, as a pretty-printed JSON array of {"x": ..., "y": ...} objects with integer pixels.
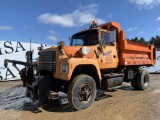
[{"x": 133, "y": 53}]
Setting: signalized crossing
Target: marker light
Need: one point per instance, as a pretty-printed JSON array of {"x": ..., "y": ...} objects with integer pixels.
[
  {"x": 93, "y": 24},
  {"x": 60, "y": 43}
]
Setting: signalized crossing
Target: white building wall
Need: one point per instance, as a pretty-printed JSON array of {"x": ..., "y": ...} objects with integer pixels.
[{"x": 15, "y": 51}]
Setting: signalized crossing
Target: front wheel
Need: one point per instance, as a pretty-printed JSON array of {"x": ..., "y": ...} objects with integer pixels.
[{"x": 81, "y": 92}]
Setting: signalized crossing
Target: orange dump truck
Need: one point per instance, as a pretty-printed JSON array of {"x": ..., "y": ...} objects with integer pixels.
[{"x": 98, "y": 58}]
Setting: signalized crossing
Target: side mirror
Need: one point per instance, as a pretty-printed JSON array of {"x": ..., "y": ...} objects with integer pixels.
[{"x": 69, "y": 38}]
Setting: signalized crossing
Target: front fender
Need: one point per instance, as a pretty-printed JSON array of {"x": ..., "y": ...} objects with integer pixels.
[{"x": 72, "y": 63}]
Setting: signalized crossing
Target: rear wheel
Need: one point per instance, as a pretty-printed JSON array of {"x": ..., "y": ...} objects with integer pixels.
[
  {"x": 81, "y": 92},
  {"x": 134, "y": 83},
  {"x": 143, "y": 79}
]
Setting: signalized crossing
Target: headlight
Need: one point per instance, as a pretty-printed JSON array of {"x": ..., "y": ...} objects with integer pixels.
[
  {"x": 84, "y": 51},
  {"x": 63, "y": 68}
]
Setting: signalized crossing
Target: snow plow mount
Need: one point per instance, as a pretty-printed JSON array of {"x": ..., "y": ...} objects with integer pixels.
[{"x": 14, "y": 62}]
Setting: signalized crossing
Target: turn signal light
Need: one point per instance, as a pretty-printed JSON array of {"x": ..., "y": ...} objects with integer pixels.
[{"x": 60, "y": 44}]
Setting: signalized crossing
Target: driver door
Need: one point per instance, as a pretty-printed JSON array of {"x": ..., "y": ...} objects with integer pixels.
[{"x": 109, "y": 50}]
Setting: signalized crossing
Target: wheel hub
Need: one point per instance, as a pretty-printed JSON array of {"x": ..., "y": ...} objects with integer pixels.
[{"x": 85, "y": 92}]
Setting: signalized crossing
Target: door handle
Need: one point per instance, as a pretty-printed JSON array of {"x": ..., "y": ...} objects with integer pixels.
[{"x": 114, "y": 56}]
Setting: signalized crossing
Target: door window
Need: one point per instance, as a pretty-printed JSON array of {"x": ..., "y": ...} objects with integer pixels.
[{"x": 107, "y": 38}]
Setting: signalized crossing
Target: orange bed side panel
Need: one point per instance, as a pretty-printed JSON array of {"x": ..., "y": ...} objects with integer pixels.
[{"x": 132, "y": 53}]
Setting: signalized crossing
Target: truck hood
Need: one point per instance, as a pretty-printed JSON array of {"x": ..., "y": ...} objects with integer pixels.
[{"x": 74, "y": 51}]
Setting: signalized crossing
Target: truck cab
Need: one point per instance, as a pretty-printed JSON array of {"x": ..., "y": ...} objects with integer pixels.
[{"x": 104, "y": 43}]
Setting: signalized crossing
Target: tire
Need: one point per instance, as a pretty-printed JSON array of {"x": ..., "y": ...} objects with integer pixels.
[
  {"x": 134, "y": 80},
  {"x": 134, "y": 83},
  {"x": 81, "y": 92},
  {"x": 142, "y": 79}
]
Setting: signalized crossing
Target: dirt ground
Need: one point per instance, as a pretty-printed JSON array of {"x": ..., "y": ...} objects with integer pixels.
[{"x": 120, "y": 103}]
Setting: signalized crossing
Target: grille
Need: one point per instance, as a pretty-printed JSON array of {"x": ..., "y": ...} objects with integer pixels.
[{"x": 47, "y": 62}]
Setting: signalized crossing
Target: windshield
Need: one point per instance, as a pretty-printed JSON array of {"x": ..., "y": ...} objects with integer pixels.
[{"x": 86, "y": 38}]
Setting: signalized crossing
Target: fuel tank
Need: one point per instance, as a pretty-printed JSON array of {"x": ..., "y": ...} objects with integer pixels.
[{"x": 111, "y": 80}]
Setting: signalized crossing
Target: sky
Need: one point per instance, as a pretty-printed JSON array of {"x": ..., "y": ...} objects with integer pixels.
[{"x": 51, "y": 21}]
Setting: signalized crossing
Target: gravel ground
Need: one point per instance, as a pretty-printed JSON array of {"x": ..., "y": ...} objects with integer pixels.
[{"x": 120, "y": 103}]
